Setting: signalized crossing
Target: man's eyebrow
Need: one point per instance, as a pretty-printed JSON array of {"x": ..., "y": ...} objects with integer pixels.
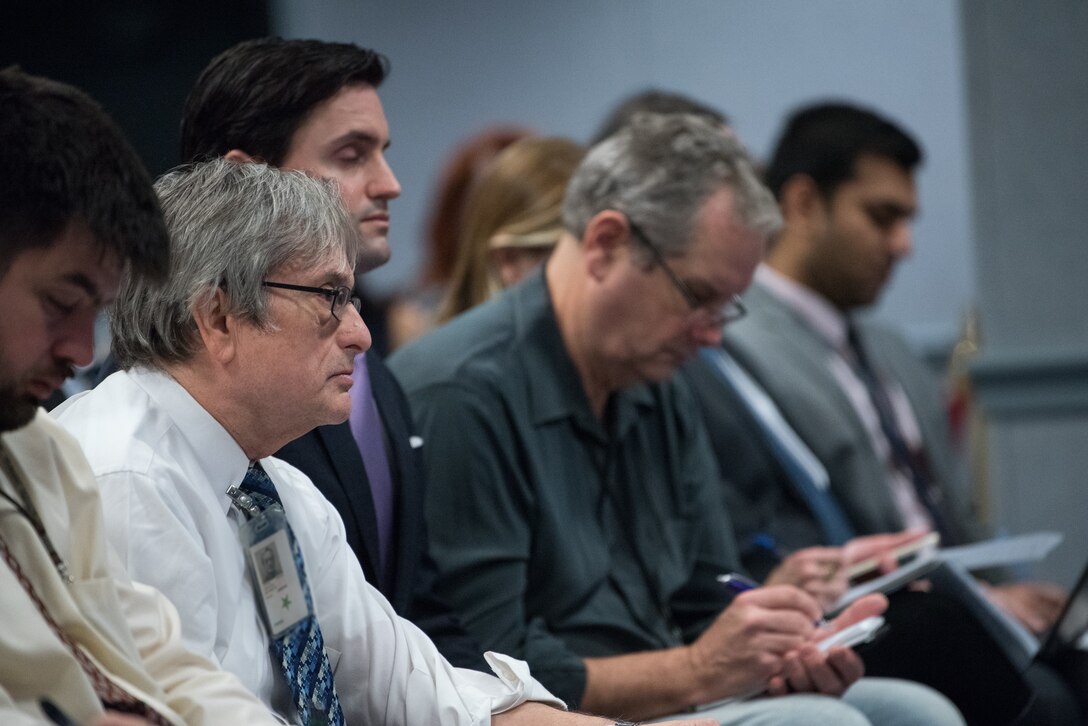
[
  {"x": 894, "y": 207},
  {"x": 338, "y": 277},
  {"x": 79, "y": 279},
  {"x": 360, "y": 137}
]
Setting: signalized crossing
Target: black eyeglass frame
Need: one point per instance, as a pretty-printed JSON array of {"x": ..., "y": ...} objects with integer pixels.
[
  {"x": 730, "y": 312},
  {"x": 338, "y": 296}
]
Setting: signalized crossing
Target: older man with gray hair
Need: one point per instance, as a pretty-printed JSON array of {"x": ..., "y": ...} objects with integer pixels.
[
  {"x": 249, "y": 344},
  {"x": 573, "y": 508}
]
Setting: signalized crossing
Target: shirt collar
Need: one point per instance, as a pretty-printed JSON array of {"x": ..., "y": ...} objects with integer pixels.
[
  {"x": 814, "y": 308},
  {"x": 221, "y": 459},
  {"x": 556, "y": 390}
]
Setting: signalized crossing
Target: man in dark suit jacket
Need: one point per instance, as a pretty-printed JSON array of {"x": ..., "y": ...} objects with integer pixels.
[
  {"x": 330, "y": 457},
  {"x": 313, "y": 106}
]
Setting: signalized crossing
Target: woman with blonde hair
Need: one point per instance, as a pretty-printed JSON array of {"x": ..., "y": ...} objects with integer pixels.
[
  {"x": 415, "y": 311},
  {"x": 511, "y": 219}
]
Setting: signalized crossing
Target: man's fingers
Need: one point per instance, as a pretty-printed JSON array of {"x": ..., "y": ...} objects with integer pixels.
[
  {"x": 821, "y": 675},
  {"x": 880, "y": 549},
  {"x": 797, "y": 675},
  {"x": 846, "y": 663},
  {"x": 780, "y": 597},
  {"x": 865, "y": 607},
  {"x": 778, "y": 644},
  {"x": 777, "y": 686}
]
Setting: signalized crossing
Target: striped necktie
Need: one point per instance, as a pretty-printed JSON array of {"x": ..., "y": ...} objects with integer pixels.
[{"x": 913, "y": 462}]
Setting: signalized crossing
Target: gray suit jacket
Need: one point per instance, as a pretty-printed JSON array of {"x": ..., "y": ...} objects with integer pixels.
[{"x": 788, "y": 358}]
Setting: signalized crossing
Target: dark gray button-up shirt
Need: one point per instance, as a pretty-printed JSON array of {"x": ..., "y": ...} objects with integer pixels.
[{"x": 558, "y": 535}]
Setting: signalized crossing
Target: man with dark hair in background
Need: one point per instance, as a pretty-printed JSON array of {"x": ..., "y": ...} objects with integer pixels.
[
  {"x": 76, "y": 211},
  {"x": 844, "y": 178},
  {"x": 827, "y": 426},
  {"x": 314, "y": 105}
]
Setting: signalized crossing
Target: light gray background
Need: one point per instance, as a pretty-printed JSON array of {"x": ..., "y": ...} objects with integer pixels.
[
  {"x": 996, "y": 90},
  {"x": 558, "y": 67}
]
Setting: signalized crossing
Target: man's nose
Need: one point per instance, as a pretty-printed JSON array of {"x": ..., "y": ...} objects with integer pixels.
[
  {"x": 384, "y": 185},
  {"x": 902, "y": 239},
  {"x": 707, "y": 335},
  {"x": 353, "y": 330},
  {"x": 75, "y": 338}
]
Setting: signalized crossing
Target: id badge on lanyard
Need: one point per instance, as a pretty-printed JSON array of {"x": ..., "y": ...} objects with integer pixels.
[{"x": 271, "y": 566}]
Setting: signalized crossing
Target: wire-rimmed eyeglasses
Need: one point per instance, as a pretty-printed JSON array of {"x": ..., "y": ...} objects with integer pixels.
[
  {"x": 707, "y": 315},
  {"x": 338, "y": 296}
]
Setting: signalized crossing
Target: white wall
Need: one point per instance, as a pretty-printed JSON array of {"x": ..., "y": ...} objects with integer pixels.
[{"x": 459, "y": 65}]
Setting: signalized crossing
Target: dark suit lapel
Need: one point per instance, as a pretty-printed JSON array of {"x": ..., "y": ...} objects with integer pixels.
[
  {"x": 405, "y": 472},
  {"x": 343, "y": 452}
]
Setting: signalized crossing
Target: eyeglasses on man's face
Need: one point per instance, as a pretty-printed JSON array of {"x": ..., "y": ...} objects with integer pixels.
[
  {"x": 338, "y": 297},
  {"x": 705, "y": 314}
]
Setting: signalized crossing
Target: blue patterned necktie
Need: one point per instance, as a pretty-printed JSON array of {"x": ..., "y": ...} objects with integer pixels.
[{"x": 301, "y": 650}]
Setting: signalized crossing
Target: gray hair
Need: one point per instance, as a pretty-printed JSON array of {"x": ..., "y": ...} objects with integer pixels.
[
  {"x": 230, "y": 225},
  {"x": 659, "y": 170}
]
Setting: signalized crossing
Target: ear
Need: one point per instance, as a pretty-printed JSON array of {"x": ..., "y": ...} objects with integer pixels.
[
  {"x": 239, "y": 156},
  {"x": 606, "y": 241},
  {"x": 801, "y": 201},
  {"x": 503, "y": 262},
  {"x": 217, "y": 327},
  {"x": 510, "y": 265}
]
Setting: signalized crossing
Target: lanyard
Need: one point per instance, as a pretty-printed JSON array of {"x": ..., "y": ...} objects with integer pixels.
[{"x": 28, "y": 510}]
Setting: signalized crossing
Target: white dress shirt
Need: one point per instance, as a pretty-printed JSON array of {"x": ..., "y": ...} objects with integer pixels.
[
  {"x": 164, "y": 465},
  {"x": 129, "y": 631},
  {"x": 831, "y": 325}
]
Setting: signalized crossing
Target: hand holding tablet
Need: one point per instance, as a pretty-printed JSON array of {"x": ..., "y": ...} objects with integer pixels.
[{"x": 860, "y": 632}]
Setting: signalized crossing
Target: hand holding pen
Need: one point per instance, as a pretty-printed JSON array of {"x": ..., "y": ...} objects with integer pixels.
[
  {"x": 819, "y": 571},
  {"x": 806, "y": 667},
  {"x": 747, "y": 645},
  {"x": 738, "y": 583}
]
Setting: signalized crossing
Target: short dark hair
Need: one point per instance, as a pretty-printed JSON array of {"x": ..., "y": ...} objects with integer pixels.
[
  {"x": 824, "y": 142},
  {"x": 654, "y": 100},
  {"x": 64, "y": 161},
  {"x": 255, "y": 95}
]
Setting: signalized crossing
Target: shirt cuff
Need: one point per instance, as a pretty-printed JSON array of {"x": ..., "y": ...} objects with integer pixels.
[{"x": 519, "y": 684}]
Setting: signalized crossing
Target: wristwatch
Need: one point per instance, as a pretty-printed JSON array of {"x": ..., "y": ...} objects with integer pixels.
[{"x": 626, "y": 723}]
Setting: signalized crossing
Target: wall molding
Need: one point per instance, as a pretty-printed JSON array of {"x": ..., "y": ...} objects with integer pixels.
[{"x": 1039, "y": 382}]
